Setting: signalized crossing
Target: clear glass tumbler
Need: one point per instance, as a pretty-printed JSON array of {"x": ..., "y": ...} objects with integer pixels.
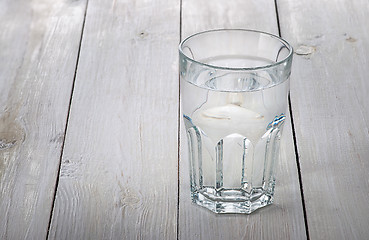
[{"x": 234, "y": 88}]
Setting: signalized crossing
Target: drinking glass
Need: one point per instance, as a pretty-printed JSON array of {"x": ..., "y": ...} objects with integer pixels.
[{"x": 234, "y": 88}]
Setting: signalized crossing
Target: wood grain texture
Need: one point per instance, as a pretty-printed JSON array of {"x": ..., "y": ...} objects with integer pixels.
[
  {"x": 118, "y": 176},
  {"x": 282, "y": 220},
  {"x": 331, "y": 113},
  {"x": 39, "y": 43}
]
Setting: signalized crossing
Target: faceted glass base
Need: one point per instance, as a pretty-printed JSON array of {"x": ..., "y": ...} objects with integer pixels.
[{"x": 232, "y": 206}]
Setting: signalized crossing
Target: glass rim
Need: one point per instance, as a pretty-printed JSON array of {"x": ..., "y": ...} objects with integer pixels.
[{"x": 267, "y": 66}]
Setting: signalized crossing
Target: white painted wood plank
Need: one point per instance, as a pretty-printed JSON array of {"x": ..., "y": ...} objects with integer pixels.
[
  {"x": 39, "y": 43},
  {"x": 119, "y": 170},
  {"x": 282, "y": 220},
  {"x": 331, "y": 113}
]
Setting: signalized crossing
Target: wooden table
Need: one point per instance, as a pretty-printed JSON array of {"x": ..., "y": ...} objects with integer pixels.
[{"x": 91, "y": 134}]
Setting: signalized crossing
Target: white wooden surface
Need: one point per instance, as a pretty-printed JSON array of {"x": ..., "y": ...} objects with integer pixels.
[
  {"x": 119, "y": 172},
  {"x": 330, "y": 107},
  {"x": 118, "y": 177},
  {"x": 39, "y": 43},
  {"x": 282, "y": 220}
]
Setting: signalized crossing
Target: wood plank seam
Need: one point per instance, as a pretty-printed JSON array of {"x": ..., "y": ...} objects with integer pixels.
[
  {"x": 67, "y": 121},
  {"x": 298, "y": 168},
  {"x": 179, "y": 121},
  {"x": 294, "y": 140}
]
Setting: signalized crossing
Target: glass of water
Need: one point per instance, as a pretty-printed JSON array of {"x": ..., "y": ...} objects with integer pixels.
[{"x": 234, "y": 88}]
